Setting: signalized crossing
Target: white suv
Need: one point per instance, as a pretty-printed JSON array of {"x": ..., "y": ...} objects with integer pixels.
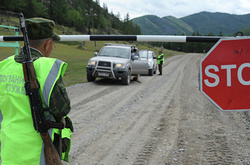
[{"x": 151, "y": 59}]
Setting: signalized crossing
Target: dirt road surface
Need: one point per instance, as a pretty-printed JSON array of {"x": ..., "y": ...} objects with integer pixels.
[{"x": 163, "y": 120}]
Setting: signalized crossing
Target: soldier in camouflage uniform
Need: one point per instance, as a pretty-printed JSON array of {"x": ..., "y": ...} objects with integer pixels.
[{"x": 42, "y": 37}]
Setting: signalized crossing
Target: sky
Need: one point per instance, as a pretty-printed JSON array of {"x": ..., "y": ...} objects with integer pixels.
[{"x": 176, "y": 8}]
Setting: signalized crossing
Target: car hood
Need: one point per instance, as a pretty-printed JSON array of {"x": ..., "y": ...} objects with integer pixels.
[{"x": 114, "y": 59}]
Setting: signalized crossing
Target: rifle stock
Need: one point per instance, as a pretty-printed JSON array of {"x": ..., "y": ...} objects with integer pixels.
[
  {"x": 32, "y": 90},
  {"x": 51, "y": 155},
  {"x": 32, "y": 75}
]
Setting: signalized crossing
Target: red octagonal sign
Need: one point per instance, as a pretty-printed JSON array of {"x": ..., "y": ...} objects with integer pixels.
[{"x": 225, "y": 74}]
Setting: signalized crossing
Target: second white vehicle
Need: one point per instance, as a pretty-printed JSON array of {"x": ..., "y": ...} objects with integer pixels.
[{"x": 151, "y": 58}]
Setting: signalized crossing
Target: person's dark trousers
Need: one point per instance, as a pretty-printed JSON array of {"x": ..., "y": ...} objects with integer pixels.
[{"x": 160, "y": 68}]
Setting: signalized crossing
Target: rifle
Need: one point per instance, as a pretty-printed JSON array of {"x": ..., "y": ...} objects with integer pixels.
[{"x": 32, "y": 90}]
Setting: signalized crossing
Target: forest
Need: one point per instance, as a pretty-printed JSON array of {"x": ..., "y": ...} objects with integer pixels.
[
  {"x": 82, "y": 15},
  {"x": 190, "y": 47}
]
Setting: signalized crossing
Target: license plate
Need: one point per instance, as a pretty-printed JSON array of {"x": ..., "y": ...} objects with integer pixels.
[{"x": 103, "y": 74}]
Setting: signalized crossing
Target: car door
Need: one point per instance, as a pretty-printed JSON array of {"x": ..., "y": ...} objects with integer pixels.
[
  {"x": 139, "y": 66},
  {"x": 155, "y": 60}
]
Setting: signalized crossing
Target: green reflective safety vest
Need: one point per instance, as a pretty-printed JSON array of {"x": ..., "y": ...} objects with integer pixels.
[
  {"x": 161, "y": 56},
  {"x": 19, "y": 142},
  {"x": 66, "y": 133}
]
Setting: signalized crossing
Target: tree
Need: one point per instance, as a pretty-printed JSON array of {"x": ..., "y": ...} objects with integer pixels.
[
  {"x": 72, "y": 13},
  {"x": 36, "y": 9}
]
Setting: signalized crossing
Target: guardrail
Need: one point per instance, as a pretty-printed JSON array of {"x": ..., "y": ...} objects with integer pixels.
[{"x": 6, "y": 44}]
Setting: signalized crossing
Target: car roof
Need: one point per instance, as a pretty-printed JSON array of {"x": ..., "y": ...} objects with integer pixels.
[
  {"x": 120, "y": 45},
  {"x": 126, "y": 47}
]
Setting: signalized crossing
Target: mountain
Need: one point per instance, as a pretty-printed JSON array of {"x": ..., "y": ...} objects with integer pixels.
[
  {"x": 246, "y": 31},
  {"x": 151, "y": 24},
  {"x": 203, "y": 22}
]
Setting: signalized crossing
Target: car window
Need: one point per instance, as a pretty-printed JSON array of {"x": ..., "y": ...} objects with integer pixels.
[
  {"x": 143, "y": 54},
  {"x": 115, "y": 52},
  {"x": 146, "y": 54},
  {"x": 150, "y": 55}
]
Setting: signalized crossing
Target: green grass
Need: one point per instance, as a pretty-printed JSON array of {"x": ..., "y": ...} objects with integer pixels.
[{"x": 77, "y": 58}]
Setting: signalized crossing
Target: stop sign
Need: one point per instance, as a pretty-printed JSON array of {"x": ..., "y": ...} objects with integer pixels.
[{"x": 225, "y": 74}]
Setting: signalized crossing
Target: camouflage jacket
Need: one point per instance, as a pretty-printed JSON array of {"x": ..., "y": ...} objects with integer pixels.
[{"x": 59, "y": 100}]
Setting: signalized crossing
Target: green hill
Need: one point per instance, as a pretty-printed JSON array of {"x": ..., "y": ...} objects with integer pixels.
[
  {"x": 151, "y": 24},
  {"x": 246, "y": 31},
  {"x": 182, "y": 26},
  {"x": 204, "y": 22},
  {"x": 84, "y": 16}
]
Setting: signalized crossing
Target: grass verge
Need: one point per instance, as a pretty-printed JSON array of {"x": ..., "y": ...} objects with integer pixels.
[{"x": 77, "y": 58}]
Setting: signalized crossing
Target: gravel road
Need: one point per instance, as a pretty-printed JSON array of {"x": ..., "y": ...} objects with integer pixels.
[{"x": 163, "y": 120}]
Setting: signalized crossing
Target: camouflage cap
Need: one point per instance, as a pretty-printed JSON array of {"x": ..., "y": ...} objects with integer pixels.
[{"x": 40, "y": 28}]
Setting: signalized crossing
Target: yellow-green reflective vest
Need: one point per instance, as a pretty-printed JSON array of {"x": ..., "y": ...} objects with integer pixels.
[
  {"x": 66, "y": 133},
  {"x": 158, "y": 61},
  {"x": 19, "y": 142}
]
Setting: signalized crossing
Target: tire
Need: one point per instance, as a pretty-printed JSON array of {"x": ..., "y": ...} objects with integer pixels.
[
  {"x": 155, "y": 70},
  {"x": 150, "y": 72},
  {"x": 90, "y": 78},
  {"x": 126, "y": 80}
]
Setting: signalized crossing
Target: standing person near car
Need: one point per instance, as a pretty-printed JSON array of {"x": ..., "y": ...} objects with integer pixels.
[
  {"x": 19, "y": 141},
  {"x": 160, "y": 61},
  {"x": 132, "y": 57}
]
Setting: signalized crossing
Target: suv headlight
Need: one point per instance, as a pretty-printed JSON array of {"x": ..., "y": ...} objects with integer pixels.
[
  {"x": 92, "y": 63},
  {"x": 119, "y": 65}
]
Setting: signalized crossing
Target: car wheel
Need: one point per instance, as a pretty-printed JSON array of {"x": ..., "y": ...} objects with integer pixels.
[
  {"x": 126, "y": 80},
  {"x": 90, "y": 78},
  {"x": 150, "y": 72},
  {"x": 155, "y": 70}
]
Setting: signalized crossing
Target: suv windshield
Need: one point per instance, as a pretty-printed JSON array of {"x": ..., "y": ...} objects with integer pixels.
[
  {"x": 115, "y": 52},
  {"x": 144, "y": 54}
]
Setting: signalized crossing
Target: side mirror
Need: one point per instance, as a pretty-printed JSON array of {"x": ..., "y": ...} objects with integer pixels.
[
  {"x": 154, "y": 57},
  {"x": 95, "y": 54}
]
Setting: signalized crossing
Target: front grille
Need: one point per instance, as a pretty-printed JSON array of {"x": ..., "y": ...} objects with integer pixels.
[
  {"x": 101, "y": 68},
  {"x": 104, "y": 63}
]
